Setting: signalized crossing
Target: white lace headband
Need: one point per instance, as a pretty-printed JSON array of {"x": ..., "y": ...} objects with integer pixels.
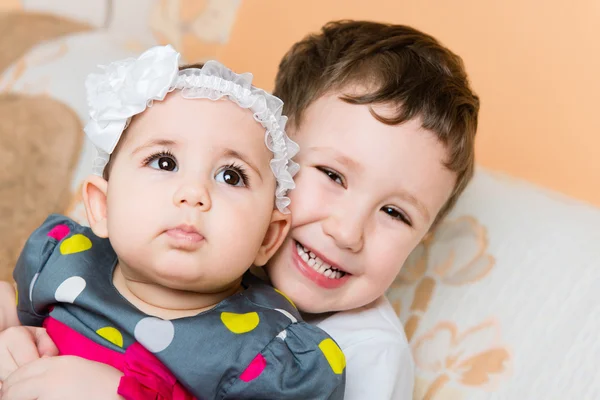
[{"x": 128, "y": 86}]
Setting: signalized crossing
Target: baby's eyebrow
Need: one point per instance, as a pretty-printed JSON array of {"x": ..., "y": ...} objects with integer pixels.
[
  {"x": 153, "y": 143},
  {"x": 236, "y": 154}
]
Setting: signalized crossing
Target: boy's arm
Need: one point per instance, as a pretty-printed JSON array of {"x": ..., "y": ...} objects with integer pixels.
[
  {"x": 8, "y": 306},
  {"x": 65, "y": 378}
]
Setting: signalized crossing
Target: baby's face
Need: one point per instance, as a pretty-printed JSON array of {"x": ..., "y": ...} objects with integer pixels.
[
  {"x": 365, "y": 196},
  {"x": 190, "y": 194}
]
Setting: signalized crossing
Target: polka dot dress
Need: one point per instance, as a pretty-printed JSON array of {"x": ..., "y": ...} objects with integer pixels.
[{"x": 251, "y": 345}]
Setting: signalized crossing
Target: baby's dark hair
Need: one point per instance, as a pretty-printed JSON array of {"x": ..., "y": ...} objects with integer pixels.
[{"x": 106, "y": 172}]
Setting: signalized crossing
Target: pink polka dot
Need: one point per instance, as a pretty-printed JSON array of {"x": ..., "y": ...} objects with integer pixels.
[
  {"x": 256, "y": 367},
  {"x": 59, "y": 232}
]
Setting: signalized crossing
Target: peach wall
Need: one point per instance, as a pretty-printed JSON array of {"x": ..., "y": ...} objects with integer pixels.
[{"x": 535, "y": 64}]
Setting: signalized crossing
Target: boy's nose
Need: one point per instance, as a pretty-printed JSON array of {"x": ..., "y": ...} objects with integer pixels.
[
  {"x": 347, "y": 231},
  {"x": 193, "y": 196}
]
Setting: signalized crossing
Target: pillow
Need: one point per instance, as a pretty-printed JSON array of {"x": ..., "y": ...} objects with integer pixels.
[
  {"x": 92, "y": 12},
  {"x": 501, "y": 302}
]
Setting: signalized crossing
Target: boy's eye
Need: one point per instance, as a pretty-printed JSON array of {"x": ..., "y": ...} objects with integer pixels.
[
  {"x": 396, "y": 214},
  {"x": 331, "y": 174},
  {"x": 164, "y": 162},
  {"x": 233, "y": 176}
]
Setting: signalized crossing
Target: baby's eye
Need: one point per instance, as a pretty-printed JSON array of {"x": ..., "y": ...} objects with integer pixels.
[
  {"x": 396, "y": 214},
  {"x": 232, "y": 176},
  {"x": 331, "y": 174},
  {"x": 164, "y": 162}
]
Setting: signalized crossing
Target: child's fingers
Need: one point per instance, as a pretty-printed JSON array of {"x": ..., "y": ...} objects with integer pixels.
[
  {"x": 19, "y": 389},
  {"x": 17, "y": 348},
  {"x": 7, "y": 363},
  {"x": 45, "y": 345},
  {"x": 8, "y": 307},
  {"x": 26, "y": 373}
]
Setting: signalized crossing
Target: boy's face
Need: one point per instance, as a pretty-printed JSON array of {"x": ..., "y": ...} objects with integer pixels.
[
  {"x": 190, "y": 194},
  {"x": 365, "y": 196}
]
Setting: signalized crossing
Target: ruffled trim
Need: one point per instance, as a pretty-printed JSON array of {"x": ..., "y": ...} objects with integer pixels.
[{"x": 127, "y": 87}]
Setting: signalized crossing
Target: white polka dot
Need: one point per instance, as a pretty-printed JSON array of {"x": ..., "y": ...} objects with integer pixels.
[
  {"x": 287, "y": 314},
  {"x": 154, "y": 334},
  {"x": 282, "y": 335},
  {"x": 68, "y": 291},
  {"x": 31, "y": 286}
]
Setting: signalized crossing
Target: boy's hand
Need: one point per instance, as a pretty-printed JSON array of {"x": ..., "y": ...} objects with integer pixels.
[
  {"x": 8, "y": 306},
  {"x": 21, "y": 345},
  {"x": 62, "y": 378}
]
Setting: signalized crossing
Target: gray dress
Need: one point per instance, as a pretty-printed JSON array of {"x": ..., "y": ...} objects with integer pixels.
[{"x": 65, "y": 272}]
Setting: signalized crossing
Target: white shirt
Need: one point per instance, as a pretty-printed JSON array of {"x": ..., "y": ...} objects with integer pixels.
[{"x": 379, "y": 364}]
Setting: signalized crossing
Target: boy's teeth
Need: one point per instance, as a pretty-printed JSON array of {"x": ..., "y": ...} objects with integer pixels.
[{"x": 317, "y": 264}]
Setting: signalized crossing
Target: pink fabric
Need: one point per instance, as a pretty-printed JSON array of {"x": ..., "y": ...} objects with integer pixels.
[
  {"x": 145, "y": 377},
  {"x": 256, "y": 367},
  {"x": 59, "y": 232}
]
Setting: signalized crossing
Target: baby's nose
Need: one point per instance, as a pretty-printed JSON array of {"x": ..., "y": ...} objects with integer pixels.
[{"x": 193, "y": 196}]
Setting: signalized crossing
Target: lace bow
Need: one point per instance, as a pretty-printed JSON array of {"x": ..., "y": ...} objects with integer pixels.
[{"x": 127, "y": 87}]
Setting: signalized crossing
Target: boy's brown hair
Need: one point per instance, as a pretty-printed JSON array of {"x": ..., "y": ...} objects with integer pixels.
[{"x": 401, "y": 66}]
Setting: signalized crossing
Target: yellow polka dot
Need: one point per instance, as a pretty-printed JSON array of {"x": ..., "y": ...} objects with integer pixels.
[
  {"x": 240, "y": 323},
  {"x": 75, "y": 244},
  {"x": 334, "y": 355},
  {"x": 287, "y": 298},
  {"x": 111, "y": 334}
]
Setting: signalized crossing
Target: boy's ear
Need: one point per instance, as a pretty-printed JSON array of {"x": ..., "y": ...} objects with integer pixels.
[
  {"x": 278, "y": 230},
  {"x": 94, "y": 192}
]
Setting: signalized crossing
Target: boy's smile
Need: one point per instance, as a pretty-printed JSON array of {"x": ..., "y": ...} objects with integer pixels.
[
  {"x": 365, "y": 196},
  {"x": 318, "y": 268}
]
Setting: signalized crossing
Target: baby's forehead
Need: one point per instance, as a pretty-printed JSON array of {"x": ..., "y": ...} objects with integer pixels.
[
  {"x": 200, "y": 125},
  {"x": 210, "y": 120}
]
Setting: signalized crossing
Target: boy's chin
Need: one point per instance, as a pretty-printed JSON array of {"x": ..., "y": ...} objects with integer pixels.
[
  {"x": 309, "y": 306},
  {"x": 309, "y": 302},
  {"x": 314, "y": 304}
]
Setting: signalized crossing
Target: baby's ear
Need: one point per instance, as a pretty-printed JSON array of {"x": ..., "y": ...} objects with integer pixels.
[
  {"x": 278, "y": 230},
  {"x": 94, "y": 192}
]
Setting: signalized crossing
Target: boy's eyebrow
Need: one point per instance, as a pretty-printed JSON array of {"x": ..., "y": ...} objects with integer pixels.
[
  {"x": 414, "y": 201},
  {"x": 342, "y": 159},
  {"x": 156, "y": 142},
  {"x": 236, "y": 154}
]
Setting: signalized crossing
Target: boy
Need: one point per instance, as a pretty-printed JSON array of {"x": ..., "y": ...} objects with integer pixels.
[{"x": 386, "y": 122}]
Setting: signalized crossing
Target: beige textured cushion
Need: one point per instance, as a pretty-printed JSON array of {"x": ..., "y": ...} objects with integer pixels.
[{"x": 502, "y": 301}]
